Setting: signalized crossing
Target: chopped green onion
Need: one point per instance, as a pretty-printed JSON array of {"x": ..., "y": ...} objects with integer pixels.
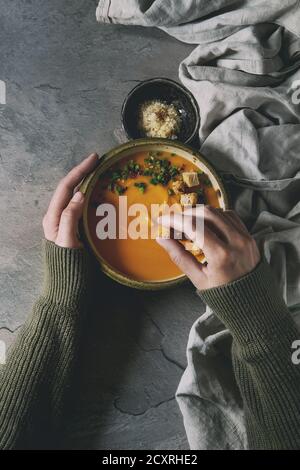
[
  {"x": 141, "y": 186},
  {"x": 154, "y": 181},
  {"x": 207, "y": 182},
  {"x": 120, "y": 189}
]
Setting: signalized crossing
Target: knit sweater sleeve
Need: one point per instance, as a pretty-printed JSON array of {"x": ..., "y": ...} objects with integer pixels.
[
  {"x": 263, "y": 333},
  {"x": 39, "y": 367}
]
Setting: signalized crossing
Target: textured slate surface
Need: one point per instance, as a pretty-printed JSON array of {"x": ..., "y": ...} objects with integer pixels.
[{"x": 66, "y": 79}]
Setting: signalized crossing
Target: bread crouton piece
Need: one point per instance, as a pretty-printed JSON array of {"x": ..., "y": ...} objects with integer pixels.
[
  {"x": 191, "y": 247},
  {"x": 178, "y": 187},
  {"x": 190, "y": 178},
  {"x": 190, "y": 199}
]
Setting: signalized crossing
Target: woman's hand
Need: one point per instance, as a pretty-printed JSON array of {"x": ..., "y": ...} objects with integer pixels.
[
  {"x": 229, "y": 249},
  {"x": 60, "y": 223}
]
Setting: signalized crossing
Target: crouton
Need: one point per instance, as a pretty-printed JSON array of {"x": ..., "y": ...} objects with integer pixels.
[
  {"x": 178, "y": 187},
  {"x": 188, "y": 245},
  {"x": 190, "y": 178},
  {"x": 196, "y": 251},
  {"x": 188, "y": 199},
  {"x": 191, "y": 247}
]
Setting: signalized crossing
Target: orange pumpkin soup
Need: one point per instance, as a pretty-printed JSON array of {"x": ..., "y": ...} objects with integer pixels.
[{"x": 146, "y": 178}]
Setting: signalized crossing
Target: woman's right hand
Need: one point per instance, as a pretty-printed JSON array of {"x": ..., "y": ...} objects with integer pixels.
[{"x": 229, "y": 249}]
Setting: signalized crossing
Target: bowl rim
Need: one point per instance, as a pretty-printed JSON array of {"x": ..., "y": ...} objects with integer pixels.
[
  {"x": 173, "y": 83},
  {"x": 87, "y": 186}
]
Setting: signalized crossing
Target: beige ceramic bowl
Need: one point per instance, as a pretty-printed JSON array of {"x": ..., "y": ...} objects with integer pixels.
[{"x": 125, "y": 150}]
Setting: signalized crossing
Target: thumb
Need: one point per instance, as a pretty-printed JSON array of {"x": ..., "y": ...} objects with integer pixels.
[
  {"x": 68, "y": 226},
  {"x": 185, "y": 261}
]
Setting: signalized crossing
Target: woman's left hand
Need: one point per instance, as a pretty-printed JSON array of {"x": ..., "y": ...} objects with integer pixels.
[{"x": 60, "y": 223}]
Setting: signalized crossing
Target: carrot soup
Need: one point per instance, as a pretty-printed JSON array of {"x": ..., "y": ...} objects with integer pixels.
[{"x": 147, "y": 178}]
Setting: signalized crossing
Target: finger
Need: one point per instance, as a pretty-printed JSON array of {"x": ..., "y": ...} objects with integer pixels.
[
  {"x": 223, "y": 225},
  {"x": 185, "y": 261},
  {"x": 68, "y": 227},
  {"x": 179, "y": 222},
  {"x": 210, "y": 239},
  {"x": 65, "y": 189},
  {"x": 235, "y": 219}
]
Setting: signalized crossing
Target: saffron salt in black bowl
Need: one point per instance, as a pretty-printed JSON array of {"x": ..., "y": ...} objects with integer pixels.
[{"x": 173, "y": 97}]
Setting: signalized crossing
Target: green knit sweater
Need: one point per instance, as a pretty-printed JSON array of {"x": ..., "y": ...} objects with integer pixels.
[{"x": 38, "y": 372}]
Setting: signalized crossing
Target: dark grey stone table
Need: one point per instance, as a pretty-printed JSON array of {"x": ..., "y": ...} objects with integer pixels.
[{"x": 66, "y": 78}]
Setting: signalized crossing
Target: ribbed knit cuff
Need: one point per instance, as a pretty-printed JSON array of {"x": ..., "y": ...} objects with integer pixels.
[
  {"x": 250, "y": 307},
  {"x": 66, "y": 274}
]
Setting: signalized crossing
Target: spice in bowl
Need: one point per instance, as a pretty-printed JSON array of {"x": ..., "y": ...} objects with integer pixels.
[{"x": 159, "y": 119}]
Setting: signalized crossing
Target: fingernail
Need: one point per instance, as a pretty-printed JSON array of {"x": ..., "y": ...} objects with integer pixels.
[
  {"x": 78, "y": 197},
  {"x": 93, "y": 155}
]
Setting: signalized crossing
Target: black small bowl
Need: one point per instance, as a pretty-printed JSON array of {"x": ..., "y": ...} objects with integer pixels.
[{"x": 169, "y": 92}]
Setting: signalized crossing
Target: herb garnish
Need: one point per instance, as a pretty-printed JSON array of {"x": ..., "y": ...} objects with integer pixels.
[
  {"x": 154, "y": 181},
  {"x": 120, "y": 189},
  {"x": 199, "y": 191},
  {"x": 206, "y": 181},
  {"x": 159, "y": 170},
  {"x": 141, "y": 186}
]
